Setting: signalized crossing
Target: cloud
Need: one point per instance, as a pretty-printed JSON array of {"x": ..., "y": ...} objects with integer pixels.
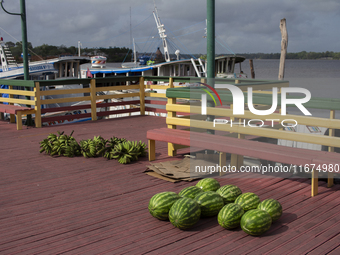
[{"x": 242, "y": 25}]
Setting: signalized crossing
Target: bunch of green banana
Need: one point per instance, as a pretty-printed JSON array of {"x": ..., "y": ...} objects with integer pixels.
[
  {"x": 60, "y": 144},
  {"x": 106, "y": 152},
  {"x": 127, "y": 152},
  {"x": 100, "y": 144},
  {"x": 46, "y": 146},
  {"x": 88, "y": 148},
  {"x": 142, "y": 149}
]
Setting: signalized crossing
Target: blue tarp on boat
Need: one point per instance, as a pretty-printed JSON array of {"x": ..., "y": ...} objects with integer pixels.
[
  {"x": 4, "y": 95},
  {"x": 127, "y": 70}
]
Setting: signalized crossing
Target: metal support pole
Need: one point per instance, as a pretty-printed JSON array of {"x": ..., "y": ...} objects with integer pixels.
[
  {"x": 24, "y": 38},
  {"x": 210, "y": 52},
  {"x": 210, "y": 39}
]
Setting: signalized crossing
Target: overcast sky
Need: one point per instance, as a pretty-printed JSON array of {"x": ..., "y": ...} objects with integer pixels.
[{"x": 242, "y": 25}]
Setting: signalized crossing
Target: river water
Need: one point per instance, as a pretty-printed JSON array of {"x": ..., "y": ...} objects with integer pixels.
[{"x": 320, "y": 77}]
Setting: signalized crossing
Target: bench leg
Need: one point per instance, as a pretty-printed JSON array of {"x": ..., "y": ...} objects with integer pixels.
[
  {"x": 236, "y": 161},
  {"x": 330, "y": 181},
  {"x": 222, "y": 161},
  {"x": 240, "y": 160},
  {"x": 152, "y": 150},
  {"x": 172, "y": 150},
  {"x": 12, "y": 118},
  {"x": 19, "y": 121},
  {"x": 315, "y": 181}
]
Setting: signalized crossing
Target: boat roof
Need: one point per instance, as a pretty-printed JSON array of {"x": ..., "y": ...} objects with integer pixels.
[
  {"x": 114, "y": 68},
  {"x": 238, "y": 58},
  {"x": 36, "y": 67}
]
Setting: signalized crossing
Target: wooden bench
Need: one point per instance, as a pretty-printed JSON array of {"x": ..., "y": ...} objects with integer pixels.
[
  {"x": 265, "y": 151},
  {"x": 17, "y": 111}
]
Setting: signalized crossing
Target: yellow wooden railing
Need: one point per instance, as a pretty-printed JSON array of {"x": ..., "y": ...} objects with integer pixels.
[{"x": 194, "y": 121}]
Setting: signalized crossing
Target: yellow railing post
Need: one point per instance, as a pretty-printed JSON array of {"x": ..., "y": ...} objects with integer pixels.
[
  {"x": 315, "y": 180},
  {"x": 330, "y": 181},
  {"x": 37, "y": 106},
  {"x": 142, "y": 95},
  {"x": 93, "y": 99},
  {"x": 171, "y": 147},
  {"x": 10, "y": 95}
]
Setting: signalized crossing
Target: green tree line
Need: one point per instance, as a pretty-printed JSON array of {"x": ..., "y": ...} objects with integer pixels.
[
  {"x": 117, "y": 54},
  {"x": 45, "y": 51}
]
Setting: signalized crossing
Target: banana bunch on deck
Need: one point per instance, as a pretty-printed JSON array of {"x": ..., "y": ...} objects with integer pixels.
[
  {"x": 61, "y": 145},
  {"x": 114, "y": 148},
  {"x": 128, "y": 151}
]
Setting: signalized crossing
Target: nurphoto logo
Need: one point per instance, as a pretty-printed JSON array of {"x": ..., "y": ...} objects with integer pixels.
[{"x": 238, "y": 103}]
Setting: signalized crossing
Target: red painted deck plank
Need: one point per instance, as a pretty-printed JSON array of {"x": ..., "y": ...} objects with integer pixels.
[
  {"x": 85, "y": 206},
  {"x": 328, "y": 246}
]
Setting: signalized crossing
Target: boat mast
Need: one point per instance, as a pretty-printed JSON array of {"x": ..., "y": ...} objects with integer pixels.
[{"x": 162, "y": 34}]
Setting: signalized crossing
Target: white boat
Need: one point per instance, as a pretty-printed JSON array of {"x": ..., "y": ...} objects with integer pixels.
[
  {"x": 167, "y": 64},
  {"x": 61, "y": 67}
]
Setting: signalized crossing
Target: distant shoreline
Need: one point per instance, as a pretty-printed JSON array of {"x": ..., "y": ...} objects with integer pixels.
[{"x": 328, "y": 55}]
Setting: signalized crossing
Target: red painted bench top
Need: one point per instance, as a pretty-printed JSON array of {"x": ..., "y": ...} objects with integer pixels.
[
  {"x": 261, "y": 150},
  {"x": 13, "y": 109}
]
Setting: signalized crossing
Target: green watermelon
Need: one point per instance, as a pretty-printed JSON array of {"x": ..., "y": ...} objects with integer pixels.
[
  {"x": 190, "y": 192},
  {"x": 229, "y": 193},
  {"x": 256, "y": 222},
  {"x": 160, "y": 204},
  {"x": 210, "y": 202},
  {"x": 271, "y": 206},
  {"x": 248, "y": 201},
  {"x": 208, "y": 184},
  {"x": 184, "y": 213},
  {"x": 230, "y": 216}
]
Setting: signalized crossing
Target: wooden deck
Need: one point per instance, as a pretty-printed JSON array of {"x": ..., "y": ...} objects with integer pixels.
[{"x": 94, "y": 206}]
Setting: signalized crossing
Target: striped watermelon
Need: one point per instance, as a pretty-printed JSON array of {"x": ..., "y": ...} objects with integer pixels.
[
  {"x": 256, "y": 222},
  {"x": 230, "y": 216},
  {"x": 248, "y": 201},
  {"x": 160, "y": 204},
  {"x": 210, "y": 202},
  {"x": 190, "y": 192},
  {"x": 229, "y": 193},
  {"x": 271, "y": 206},
  {"x": 184, "y": 213},
  {"x": 208, "y": 184}
]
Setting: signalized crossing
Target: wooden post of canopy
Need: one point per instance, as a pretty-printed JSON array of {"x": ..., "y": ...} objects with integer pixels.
[
  {"x": 284, "y": 45},
  {"x": 252, "y": 69}
]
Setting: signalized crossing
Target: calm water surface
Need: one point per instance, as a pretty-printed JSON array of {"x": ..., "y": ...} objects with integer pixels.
[{"x": 320, "y": 77}]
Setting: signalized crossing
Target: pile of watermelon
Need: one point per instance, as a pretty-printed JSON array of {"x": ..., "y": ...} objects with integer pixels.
[{"x": 208, "y": 199}]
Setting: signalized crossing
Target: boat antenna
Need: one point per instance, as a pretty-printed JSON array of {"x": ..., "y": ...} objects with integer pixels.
[
  {"x": 130, "y": 29},
  {"x": 79, "y": 46},
  {"x": 134, "y": 52},
  {"x": 162, "y": 35}
]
